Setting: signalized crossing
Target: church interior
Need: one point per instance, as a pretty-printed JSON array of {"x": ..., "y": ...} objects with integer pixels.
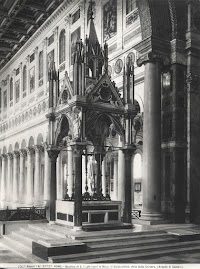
[{"x": 99, "y": 126}]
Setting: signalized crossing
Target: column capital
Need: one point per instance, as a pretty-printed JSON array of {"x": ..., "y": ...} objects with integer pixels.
[
  {"x": 53, "y": 153},
  {"x": 78, "y": 148},
  {"x": 128, "y": 151},
  {"x": 153, "y": 57},
  {"x": 36, "y": 50},
  {"x": 10, "y": 155},
  {"x": 115, "y": 156},
  {"x": 30, "y": 150},
  {"x": 27, "y": 59},
  {"x": 68, "y": 20},
  {"x": 4, "y": 156},
  {"x": 44, "y": 42},
  {"x": 16, "y": 154},
  {"x": 153, "y": 49},
  {"x": 38, "y": 148},
  {"x": 22, "y": 152}
]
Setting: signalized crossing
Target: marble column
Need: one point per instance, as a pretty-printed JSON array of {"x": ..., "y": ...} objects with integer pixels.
[
  {"x": 98, "y": 185},
  {"x": 3, "y": 180},
  {"x": 121, "y": 177},
  {"x": 10, "y": 177},
  {"x": 104, "y": 183},
  {"x": 115, "y": 176},
  {"x": 152, "y": 142},
  {"x": 127, "y": 214},
  {"x": 46, "y": 179},
  {"x": 77, "y": 152},
  {"x": 53, "y": 155},
  {"x": 59, "y": 178},
  {"x": 37, "y": 176},
  {"x": 29, "y": 194},
  {"x": 22, "y": 191},
  {"x": 70, "y": 170},
  {"x": 15, "y": 176}
]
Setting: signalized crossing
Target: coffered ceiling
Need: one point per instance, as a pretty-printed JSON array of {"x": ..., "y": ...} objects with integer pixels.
[{"x": 19, "y": 19}]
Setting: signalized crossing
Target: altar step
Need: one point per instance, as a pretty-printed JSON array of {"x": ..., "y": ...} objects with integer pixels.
[
  {"x": 109, "y": 246},
  {"x": 20, "y": 242},
  {"x": 122, "y": 246}
]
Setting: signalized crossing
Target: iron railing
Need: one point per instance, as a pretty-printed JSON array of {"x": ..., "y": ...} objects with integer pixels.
[{"x": 23, "y": 213}]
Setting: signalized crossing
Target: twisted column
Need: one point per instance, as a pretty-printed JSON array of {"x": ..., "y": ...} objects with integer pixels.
[
  {"x": 22, "y": 191},
  {"x": 15, "y": 176}
]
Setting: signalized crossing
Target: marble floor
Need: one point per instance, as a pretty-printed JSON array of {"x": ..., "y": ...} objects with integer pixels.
[{"x": 7, "y": 256}]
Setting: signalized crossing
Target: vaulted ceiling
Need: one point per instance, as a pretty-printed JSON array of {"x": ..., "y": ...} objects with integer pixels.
[{"x": 19, "y": 19}]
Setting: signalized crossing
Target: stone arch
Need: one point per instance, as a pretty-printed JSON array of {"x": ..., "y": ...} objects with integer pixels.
[
  {"x": 140, "y": 102},
  {"x": 31, "y": 142},
  {"x": 23, "y": 144},
  {"x": 155, "y": 19},
  {"x": 62, "y": 129},
  {"x": 10, "y": 148},
  {"x": 99, "y": 124},
  {"x": 40, "y": 140},
  {"x": 16, "y": 146}
]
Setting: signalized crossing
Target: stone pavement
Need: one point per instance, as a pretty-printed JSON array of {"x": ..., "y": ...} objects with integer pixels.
[{"x": 8, "y": 256}]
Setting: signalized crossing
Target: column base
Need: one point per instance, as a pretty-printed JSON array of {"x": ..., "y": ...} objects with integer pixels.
[
  {"x": 46, "y": 203},
  {"x": 151, "y": 219},
  {"x": 77, "y": 228},
  {"x": 3, "y": 205},
  {"x": 52, "y": 222}
]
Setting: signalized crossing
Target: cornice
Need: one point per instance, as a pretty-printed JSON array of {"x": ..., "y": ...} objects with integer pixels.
[{"x": 57, "y": 13}]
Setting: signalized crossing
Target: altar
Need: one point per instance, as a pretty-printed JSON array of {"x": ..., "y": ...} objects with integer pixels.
[{"x": 93, "y": 212}]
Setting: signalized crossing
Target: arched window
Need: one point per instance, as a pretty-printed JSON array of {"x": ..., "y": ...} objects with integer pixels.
[
  {"x": 24, "y": 81},
  {"x": 62, "y": 47},
  {"x": 11, "y": 91},
  {"x": 40, "y": 65},
  {"x": 137, "y": 166},
  {"x": 5, "y": 99}
]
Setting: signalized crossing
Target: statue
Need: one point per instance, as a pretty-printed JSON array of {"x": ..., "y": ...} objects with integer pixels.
[{"x": 77, "y": 116}]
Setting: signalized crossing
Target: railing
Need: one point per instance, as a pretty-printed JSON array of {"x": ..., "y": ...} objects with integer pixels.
[
  {"x": 23, "y": 213},
  {"x": 136, "y": 214}
]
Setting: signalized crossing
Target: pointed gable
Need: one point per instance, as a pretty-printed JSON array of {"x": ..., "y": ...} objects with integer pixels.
[{"x": 104, "y": 92}]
